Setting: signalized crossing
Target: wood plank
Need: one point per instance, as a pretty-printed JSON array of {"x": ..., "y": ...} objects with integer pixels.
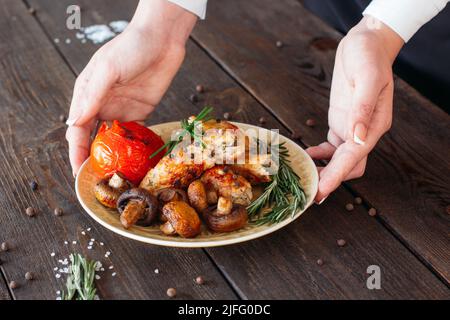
[
  {"x": 265, "y": 268},
  {"x": 35, "y": 88},
  {"x": 4, "y": 292},
  {"x": 406, "y": 177}
]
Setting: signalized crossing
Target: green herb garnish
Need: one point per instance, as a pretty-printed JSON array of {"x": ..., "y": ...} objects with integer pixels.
[
  {"x": 188, "y": 128},
  {"x": 80, "y": 281},
  {"x": 284, "y": 192}
]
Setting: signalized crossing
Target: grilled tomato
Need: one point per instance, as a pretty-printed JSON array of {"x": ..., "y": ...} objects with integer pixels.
[{"x": 125, "y": 148}]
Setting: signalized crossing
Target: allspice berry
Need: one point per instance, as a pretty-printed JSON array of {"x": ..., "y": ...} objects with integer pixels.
[
  {"x": 199, "y": 280},
  {"x": 171, "y": 292},
  {"x": 199, "y": 88},
  {"x": 310, "y": 122},
  {"x": 29, "y": 275},
  {"x": 279, "y": 44},
  {"x": 372, "y": 212},
  {"x": 13, "y": 285},
  {"x": 319, "y": 262},
  {"x": 358, "y": 200},
  {"x": 349, "y": 207},
  {"x": 58, "y": 212},
  {"x": 4, "y": 246},
  {"x": 193, "y": 98},
  {"x": 341, "y": 242},
  {"x": 30, "y": 212},
  {"x": 62, "y": 118},
  {"x": 33, "y": 185},
  {"x": 227, "y": 116}
]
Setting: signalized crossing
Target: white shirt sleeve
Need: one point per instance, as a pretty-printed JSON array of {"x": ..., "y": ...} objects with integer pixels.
[
  {"x": 197, "y": 7},
  {"x": 405, "y": 17}
]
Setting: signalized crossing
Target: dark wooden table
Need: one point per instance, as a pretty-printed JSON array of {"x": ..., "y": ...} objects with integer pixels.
[{"x": 233, "y": 54}]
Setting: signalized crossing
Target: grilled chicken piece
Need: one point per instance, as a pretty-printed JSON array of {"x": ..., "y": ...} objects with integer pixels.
[
  {"x": 178, "y": 169},
  {"x": 256, "y": 169},
  {"x": 227, "y": 184}
]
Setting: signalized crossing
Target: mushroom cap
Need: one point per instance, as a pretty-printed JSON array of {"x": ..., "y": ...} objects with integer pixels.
[
  {"x": 197, "y": 195},
  {"x": 171, "y": 194},
  {"x": 183, "y": 218},
  {"x": 151, "y": 204},
  {"x": 106, "y": 194},
  {"x": 235, "y": 220}
]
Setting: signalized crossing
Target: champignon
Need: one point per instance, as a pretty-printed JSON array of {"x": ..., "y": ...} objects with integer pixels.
[
  {"x": 166, "y": 195},
  {"x": 197, "y": 195},
  {"x": 181, "y": 219},
  {"x": 137, "y": 206},
  {"x": 220, "y": 222},
  {"x": 108, "y": 190}
]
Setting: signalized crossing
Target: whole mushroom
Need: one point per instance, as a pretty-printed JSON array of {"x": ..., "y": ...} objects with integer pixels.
[
  {"x": 181, "y": 219},
  {"x": 198, "y": 196},
  {"x": 108, "y": 190},
  {"x": 225, "y": 217},
  {"x": 137, "y": 206},
  {"x": 166, "y": 195}
]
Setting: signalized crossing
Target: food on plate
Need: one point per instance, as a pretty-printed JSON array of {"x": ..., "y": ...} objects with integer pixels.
[
  {"x": 197, "y": 195},
  {"x": 108, "y": 190},
  {"x": 137, "y": 206},
  {"x": 124, "y": 147},
  {"x": 228, "y": 184},
  {"x": 226, "y": 217},
  {"x": 181, "y": 219},
  {"x": 177, "y": 189}
]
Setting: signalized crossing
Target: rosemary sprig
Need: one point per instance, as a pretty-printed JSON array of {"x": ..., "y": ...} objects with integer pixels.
[
  {"x": 80, "y": 281},
  {"x": 284, "y": 192},
  {"x": 188, "y": 128}
]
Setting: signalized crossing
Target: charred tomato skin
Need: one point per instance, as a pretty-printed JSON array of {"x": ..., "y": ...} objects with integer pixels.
[{"x": 125, "y": 148}]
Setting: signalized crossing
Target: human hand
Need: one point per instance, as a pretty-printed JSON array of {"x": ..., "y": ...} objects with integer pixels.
[
  {"x": 360, "y": 102},
  {"x": 127, "y": 77}
]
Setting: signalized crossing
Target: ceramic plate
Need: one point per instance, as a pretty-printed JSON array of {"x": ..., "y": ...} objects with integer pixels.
[{"x": 86, "y": 180}]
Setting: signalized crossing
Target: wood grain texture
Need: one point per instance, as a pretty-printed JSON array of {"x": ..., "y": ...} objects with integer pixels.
[
  {"x": 35, "y": 88},
  {"x": 407, "y": 174},
  {"x": 282, "y": 265},
  {"x": 4, "y": 292}
]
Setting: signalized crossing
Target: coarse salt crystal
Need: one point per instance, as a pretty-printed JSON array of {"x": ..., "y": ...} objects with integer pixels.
[
  {"x": 97, "y": 277},
  {"x": 98, "y": 33},
  {"x": 56, "y": 40},
  {"x": 74, "y": 242},
  {"x": 113, "y": 274},
  {"x": 65, "y": 242},
  {"x": 88, "y": 229},
  {"x": 156, "y": 270},
  {"x": 58, "y": 298},
  {"x": 92, "y": 240},
  {"x": 102, "y": 244},
  {"x": 55, "y": 268},
  {"x": 58, "y": 292},
  {"x": 80, "y": 35},
  {"x": 118, "y": 26},
  {"x": 111, "y": 267},
  {"x": 83, "y": 233},
  {"x": 91, "y": 243},
  {"x": 67, "y": 40},
  {"x": 57, "y": 276},
  {"x": 102, "y": 269},
  {"x": 52, "y": 254},
  {"x": 89, "y": 247}
]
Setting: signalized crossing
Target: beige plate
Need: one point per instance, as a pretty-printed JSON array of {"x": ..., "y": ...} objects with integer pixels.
[{"x": 86, "y": 179}]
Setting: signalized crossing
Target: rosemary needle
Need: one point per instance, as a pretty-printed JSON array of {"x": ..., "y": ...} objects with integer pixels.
[{"x": 284, "y": 192}]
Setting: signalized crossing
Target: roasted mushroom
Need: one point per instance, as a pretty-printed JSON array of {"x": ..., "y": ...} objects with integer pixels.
[
  {"x": 166, "y": 195},
  {"x": 224, "y": 218},
  {"x": 181, "y": 219},
  {"x": 197, "y": 195},
  {"x": 137, "y": 206},
  {"x": 108, "y": 190}
]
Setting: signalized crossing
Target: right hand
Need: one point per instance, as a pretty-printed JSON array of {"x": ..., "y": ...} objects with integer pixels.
[{"x": 127, "y": 77}]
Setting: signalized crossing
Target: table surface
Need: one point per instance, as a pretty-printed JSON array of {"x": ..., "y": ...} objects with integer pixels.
[{"x": 233, "y": 54}]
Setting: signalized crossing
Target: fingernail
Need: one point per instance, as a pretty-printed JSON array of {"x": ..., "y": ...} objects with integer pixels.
[
  {"x": 359, "y": 134},
  {"x": 321, "y": 201},
  {"x": 71, "y": 121}
]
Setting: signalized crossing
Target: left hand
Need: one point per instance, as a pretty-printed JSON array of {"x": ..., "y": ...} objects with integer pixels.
[{"x": 360, "y": 103}]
